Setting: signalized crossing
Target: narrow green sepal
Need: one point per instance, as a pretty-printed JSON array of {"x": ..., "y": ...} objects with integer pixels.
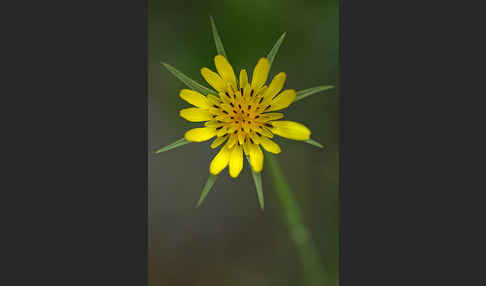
[
  {"x": 188, "y": 81},
  {"x": 257, "y": 178},
  {"x": 171, "y": 146},
  {"x": 209, "y": 184},
  {"x": 217, "y": 39},
  {"x": 273, "y": 52},
  {"x": 315, "y": 143},
  {"x": 308, "y": 92}
]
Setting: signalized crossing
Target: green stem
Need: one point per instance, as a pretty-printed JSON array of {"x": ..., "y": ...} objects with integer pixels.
[{"x": 313, "y": 268}]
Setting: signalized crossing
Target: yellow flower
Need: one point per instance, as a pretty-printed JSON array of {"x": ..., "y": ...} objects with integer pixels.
[{"x": 242, "y": 115}]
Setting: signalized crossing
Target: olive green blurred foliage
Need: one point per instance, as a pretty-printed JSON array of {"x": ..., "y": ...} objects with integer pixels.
[{"x": 229, "y": 240}]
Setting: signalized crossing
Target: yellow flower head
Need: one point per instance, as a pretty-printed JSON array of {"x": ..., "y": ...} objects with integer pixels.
[{"x": 241, "y": 115}]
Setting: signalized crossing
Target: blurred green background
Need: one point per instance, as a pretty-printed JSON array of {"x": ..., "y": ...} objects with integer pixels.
[{"x": 229, "y": 240}]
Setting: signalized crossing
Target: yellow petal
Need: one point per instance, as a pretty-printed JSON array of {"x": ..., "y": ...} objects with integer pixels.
[
  {"x": 194, "y": 98},
  {"x": 213, "y": 123},
  {"x": 247, "y": 91},
  {"x": 256, "y": 157},
  {"x": 225, "y": 97},
  {"x": 262, "y": 90},
  {"x": 213, "y": 79},
  {"x": 291, "y": 130},
  {"x": 260, "y": 74},
  {"x": 220, "y": 161},
  {"x": 214, "y": 111},
  {"x": 223, "y": 118},
  {"x": 232, "y": 141},
  {"x": 269, "y": 145},
  {"x": 283, "y": 100},
  {"x": 225, "y": 69},
  {"x": 254, "y": 138},
  {"x": 213, "y": 100},
  {"x": 218, "y": 141},
  {"x": 241, "y": 137},
  {"x": 236, "y": 161},
  {"x": 195, "y": 114},
  {"x": 270, "y": 116},
  {"x": 264, "y": 131},
  {"x": 221, "y": 131},
  {"x": 200, "y": 134},
  {"x": 246, "y": 148},
  {"x": 275, "y": 86},
  {"x": 243, "y": 78}
]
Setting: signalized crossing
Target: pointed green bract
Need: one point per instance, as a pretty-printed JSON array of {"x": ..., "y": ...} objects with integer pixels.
[
  {"x": 257, "y": 178},
  {"x": 171, "y": 146},
  {"x": 209, "y": 184},
  {"x": 188, "y": 81},
  {"x": 217, "y": 39},
  {"x": 315, "y": 143},
  {"x": 271, "y": 55},
  {"x": 308, "y": 92}
]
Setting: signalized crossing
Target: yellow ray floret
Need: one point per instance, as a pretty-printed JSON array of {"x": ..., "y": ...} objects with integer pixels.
[
  {"x": 194, "y": 98},
  {"x": 213, "y": 79},
  {"x": 241, "y": 115},
  {"x": 200, "y": 134},
  {"x": 220, "y": 161},
  {"x": 195, "y": 114},
  {"x": 225, "y": 70},
  {"x": 260, "y": 73},
  {"x": 236, "y": 161},
  {"x": 291, "y": 130}
]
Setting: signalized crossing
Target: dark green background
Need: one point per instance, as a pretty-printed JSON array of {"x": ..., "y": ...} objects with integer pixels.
[{"x": 229, "y": 241}]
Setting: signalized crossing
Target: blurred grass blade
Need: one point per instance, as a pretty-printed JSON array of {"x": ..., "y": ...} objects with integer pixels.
[
  {"x": 257, "y": 178},
  {"x": 188, "y": 81},
  {"x": 274, "y": 51},
  {"x": 308, "y": 92},
  {"x": 313, "y": 268},
  {"x": 171, "y": 146},
  {"x": 209, "y": 184},
  {"x": 315, "y": 143},
  {"x": 217, "y": 39}
]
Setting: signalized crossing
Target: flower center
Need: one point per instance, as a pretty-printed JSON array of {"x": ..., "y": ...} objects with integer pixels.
[
  {"x": 246, "y": 111},
  {"x": 240, "y": 114}
]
